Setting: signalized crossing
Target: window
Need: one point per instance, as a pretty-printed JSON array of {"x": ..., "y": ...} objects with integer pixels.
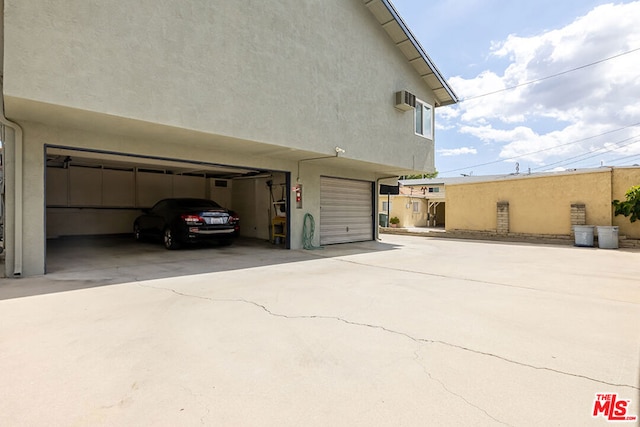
[
  {"x": 416, "y": 207},
  {"x": 434, "y": 189},
  {"x": 424, "y": 119},
  {"x": 386, "y": 207}
]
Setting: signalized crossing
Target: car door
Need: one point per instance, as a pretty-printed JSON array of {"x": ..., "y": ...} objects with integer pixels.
[{"x": 153, "y": 223}]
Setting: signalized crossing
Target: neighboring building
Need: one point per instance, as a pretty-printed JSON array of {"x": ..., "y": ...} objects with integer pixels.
[
  {"x": 112, "y": 105},
  {"x": 422, "y": 202},
  {"x": 416, "y": 206},
  {"x": 543, "y": 204}
]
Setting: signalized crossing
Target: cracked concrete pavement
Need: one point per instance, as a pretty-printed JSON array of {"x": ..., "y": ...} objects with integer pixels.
[{"x": 409, "y": 331}]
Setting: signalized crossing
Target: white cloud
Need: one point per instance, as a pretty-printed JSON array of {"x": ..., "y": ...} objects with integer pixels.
[
  {"x": 558, "y": 116},
  {"x": 457, "y": 151},
  {"x": 447, "y": 113}
]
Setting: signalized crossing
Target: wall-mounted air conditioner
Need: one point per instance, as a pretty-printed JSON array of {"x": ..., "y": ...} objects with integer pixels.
[{"x": 405, "y": 100}]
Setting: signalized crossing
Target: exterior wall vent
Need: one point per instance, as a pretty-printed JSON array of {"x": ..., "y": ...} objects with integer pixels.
[{"x": 405, "y": 100}]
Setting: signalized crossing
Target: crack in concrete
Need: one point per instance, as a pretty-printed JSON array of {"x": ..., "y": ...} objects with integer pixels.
[
  {"x": 445, "y": 388},
  {"x": 399, "y": 333}
]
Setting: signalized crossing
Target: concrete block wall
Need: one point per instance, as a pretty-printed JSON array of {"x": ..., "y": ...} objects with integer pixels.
[
  {"x": 502, "y": 226},
  {"x": 578, "y": 214}
]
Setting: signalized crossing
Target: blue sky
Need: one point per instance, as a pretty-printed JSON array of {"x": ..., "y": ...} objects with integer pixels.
[{"x": 583, "y": 118}]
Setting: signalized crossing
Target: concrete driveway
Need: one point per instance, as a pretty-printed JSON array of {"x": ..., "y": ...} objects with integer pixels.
[{"x": 409, "y": 331}]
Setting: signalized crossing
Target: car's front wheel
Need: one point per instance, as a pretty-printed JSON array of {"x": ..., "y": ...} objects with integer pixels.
[{"x": 169, "y": 239}]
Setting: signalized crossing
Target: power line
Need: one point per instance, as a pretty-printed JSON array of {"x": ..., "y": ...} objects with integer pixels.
[
  {"x": 590, "y": 154},
  {"x": 618, "y": 144},
  {"x": 550, "y": 76},
  {"x": 535, "y": 81},
  {"x": 623, "y": 158},
  {"x": 542, "y": 150}
]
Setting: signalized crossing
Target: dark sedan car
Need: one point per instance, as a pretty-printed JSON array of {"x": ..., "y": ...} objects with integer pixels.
[{"x": 178, "y": 221}]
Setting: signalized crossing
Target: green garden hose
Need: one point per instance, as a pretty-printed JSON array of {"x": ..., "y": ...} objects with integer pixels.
[{"x": 308, "y": 228}]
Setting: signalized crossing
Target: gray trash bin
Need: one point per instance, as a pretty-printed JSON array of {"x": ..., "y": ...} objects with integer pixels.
[
  {"x": 384, "y": 220},
  {"x": 583, "y": 235},
  {"x": 607, "y": 237}
]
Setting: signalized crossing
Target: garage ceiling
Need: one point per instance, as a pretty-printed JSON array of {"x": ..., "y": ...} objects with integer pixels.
[{"x": 61, "y": 157}]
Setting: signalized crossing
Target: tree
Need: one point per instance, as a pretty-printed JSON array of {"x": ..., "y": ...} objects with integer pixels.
[
  {"x": 422, "y": 176},
  {"x": 631, "y": 206}
]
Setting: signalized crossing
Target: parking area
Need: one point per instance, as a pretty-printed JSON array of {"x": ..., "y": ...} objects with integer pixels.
[{"x": 406, "y": 331}]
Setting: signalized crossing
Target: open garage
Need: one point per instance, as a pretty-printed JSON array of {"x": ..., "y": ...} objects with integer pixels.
[
  {"x": 93, "y": 182},
  {"x": 97, "y": 193}
]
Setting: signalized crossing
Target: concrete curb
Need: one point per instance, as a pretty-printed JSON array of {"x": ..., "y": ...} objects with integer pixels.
[{"x": 549, "y": 239}]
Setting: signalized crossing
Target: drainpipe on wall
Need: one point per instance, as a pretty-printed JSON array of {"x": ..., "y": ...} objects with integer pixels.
[{"x": 17, "y": 146}]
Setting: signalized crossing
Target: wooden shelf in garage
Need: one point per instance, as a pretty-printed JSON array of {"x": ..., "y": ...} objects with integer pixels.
[{"x": 276, "y": 223}]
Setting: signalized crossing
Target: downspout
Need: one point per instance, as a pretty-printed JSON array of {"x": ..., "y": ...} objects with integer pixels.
[{"x": 17, "y": 148}]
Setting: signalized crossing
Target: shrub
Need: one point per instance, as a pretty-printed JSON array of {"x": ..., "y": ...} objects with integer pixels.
[{"x": 631, "y": 206}]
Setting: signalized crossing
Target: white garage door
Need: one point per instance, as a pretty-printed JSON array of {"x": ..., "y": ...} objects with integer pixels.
[{"x": 346, "y": 211}]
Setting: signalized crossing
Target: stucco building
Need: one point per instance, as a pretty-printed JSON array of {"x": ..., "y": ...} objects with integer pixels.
[
  {"x": 110, "y": 106},
  {"x": 536, "y": 205},
  {"x": 422, "y": 202}
]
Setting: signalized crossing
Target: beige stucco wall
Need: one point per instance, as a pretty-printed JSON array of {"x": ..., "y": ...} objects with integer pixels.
[
  {"x": 402, "y": 204},
  {"x": 539, "y": 205},
  {"x": 542, "y": 204},
  {"x": 300, "y": 74},
  {"x": 402, "y": 207}
]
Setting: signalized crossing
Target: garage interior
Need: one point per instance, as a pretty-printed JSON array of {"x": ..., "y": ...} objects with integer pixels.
[{"x": 93, "y": 193}]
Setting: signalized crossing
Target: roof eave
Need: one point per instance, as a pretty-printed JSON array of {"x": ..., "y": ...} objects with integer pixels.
[{"x": 413, "y": 50}]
